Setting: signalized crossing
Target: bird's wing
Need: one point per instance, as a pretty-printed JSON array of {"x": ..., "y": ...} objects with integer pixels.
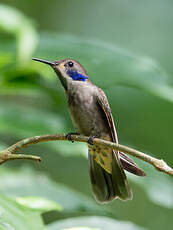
[
  {"x": 115, "y": 180},
  {"x": 126, "y": 162},
  {"x": 103, "y": 102}
]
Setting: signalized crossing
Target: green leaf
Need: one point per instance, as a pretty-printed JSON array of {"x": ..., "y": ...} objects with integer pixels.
[
  {"x": 25, "y": 121},
  {"x": 158, "y": 187},
  {"x": 5, "y": 58},
  {"x": 81, "y": 228},
  {"x": 98, "y": 222},
  {"x": 110, "y": 64},
  {"x": 2, "y": 146},
  {"x": 16, "y": 23},
  {"x": 14, "y": 216},
  {"x": 38, "y": 204},
  {"x": 29, "y": 183}
]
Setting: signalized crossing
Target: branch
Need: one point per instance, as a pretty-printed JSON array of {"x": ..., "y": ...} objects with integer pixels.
[{"x": 9, "y": 153}]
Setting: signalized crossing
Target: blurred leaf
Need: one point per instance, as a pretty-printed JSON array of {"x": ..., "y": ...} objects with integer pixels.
[
  {"x": 16, "y": 23},
  {"x": 5, "y": 58},
  {"x": 158, "y": 187},
  {"x": 81, "y": 228},
  {"x": 27, "y": 182},
  {"x": 2, "y": 146},
  {"x": 98, "y": 222},
  {"x": 25, "y": 121},
  {"x": 104, "y": 59},
  {"x": 38, "y": 204},
  {"x": 14, "y": 216}
]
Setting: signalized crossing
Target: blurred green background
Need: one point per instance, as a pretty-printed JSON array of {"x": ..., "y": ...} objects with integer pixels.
[{"x": 126, "y": 47}]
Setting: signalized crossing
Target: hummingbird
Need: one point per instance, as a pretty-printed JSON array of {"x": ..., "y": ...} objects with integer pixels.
[{"x": 91, "y": 115}]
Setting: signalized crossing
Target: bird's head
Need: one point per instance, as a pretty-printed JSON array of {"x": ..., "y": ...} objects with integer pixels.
[{"x": 67, "y": 70}]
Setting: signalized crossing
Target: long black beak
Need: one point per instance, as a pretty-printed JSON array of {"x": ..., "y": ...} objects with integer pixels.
[{"x": 44, "y": 61}]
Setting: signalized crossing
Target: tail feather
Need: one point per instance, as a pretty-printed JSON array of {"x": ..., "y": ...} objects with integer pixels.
[
  {"x": 130, "y": 165},
  {"x": 106, "y": 186}
]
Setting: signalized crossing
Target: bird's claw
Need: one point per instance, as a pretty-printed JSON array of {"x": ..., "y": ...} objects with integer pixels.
[
  {"x": 91, "y": 139},
  {"x": 69, "y": 136}
]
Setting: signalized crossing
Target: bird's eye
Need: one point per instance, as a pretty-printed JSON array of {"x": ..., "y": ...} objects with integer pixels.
[{"x": 70, "y": 64}]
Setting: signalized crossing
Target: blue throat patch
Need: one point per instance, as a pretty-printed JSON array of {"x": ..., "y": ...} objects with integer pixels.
[{"x": 76, "y": 76}]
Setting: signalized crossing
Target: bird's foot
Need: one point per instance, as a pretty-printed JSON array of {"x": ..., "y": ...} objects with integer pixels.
[
  {"x": 91, "y": 139},
  {"x": 69, "y": 136}
]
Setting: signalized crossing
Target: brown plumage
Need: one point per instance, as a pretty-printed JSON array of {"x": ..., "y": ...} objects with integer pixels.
[{"x": 91, "y": 116}]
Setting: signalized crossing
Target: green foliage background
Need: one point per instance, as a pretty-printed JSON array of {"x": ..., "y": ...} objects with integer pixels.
[{"x": 126, "y": 47}]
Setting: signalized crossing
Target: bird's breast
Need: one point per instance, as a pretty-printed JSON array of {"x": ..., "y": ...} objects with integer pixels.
[{"x": 85, "y": 112}]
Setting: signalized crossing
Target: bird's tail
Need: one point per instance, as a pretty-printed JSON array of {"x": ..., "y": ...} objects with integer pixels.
[
  {"x": 130, "y": 165},
  {"x": 108, "y": 186}
]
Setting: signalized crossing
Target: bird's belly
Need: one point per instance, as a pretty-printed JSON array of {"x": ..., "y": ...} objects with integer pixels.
[
  {"x": 89, "y": 119},
  {"x": 89, "y": 122}
]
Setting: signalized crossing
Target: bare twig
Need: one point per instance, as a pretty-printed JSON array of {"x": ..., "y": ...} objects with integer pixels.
[
  {"x": 9, "y": 153},
  {"x": 6, "y": 155}
]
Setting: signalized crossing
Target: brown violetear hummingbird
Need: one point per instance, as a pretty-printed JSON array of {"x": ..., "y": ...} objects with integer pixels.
[{"x": 91, "y": 116}]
